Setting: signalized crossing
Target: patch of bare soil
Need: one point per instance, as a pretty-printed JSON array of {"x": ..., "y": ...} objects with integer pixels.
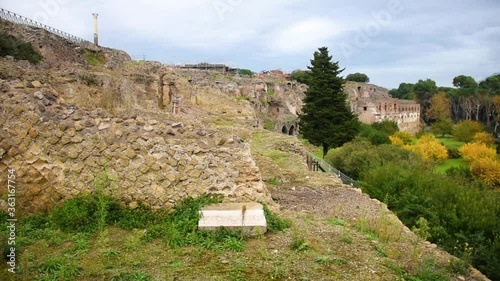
[{"x": 348, "y": 203}]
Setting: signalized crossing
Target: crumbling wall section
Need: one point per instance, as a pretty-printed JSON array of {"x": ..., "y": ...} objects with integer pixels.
[{"x": 57, "y": 151}]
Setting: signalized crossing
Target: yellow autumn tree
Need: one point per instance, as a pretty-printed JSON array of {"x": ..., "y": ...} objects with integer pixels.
[
  {"x": 484, "y": 137},
  {"x": 474, "y": 151},
  {"x": 401, "y": 138},
  {"x": 487, "y": 170},
  {"x": 428, "y": 147},
  {"x": 440, "y": 108}
]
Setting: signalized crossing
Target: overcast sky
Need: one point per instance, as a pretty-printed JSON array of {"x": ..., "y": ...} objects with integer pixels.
[{"x": 392, "y": 41}]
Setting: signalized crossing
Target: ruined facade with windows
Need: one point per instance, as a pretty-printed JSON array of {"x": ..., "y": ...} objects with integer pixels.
[
  {"x": 374, "y": 104},
  {"x": 220, "y": 68}
]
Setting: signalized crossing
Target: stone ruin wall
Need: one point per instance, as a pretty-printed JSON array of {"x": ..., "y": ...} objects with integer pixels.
[
  {"x": 374, "y": 104},
  {"x": 281, "y": 101},
  {"x": 58, "y": 149}
]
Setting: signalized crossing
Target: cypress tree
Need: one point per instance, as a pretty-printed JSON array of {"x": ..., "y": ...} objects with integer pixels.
[{"x": 327, "y": 120}]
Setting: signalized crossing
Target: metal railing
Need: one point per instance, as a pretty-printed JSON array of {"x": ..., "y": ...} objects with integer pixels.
[
  {"x": 15, "y": 18},
  {"x": 315, "y": 163}
]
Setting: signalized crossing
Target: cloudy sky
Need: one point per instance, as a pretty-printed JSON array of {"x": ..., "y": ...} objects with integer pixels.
[{"x": 392, "y": 41}]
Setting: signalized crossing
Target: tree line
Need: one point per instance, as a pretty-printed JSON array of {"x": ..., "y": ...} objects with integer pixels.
[{"x": 467, "y": 100}]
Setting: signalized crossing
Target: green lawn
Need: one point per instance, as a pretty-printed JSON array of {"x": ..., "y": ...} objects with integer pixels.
[
  {"x": 447, "y": 141},
  {"x": 449, "y": 163}
]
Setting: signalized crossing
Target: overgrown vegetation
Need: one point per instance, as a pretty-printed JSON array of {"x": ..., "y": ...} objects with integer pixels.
[
  {"x": 79, "y": 220},
  {"x": 358, "y": 77},
  {"x": 94, "y": 58},
  {"x": 275, "y": 223},
  {"x": 245, "y": 72},
  {"x": 453, "y": 210},
  {"x": 20, "y": 50}
]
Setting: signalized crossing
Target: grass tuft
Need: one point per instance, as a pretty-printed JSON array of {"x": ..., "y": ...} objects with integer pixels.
[{"x": 274, "y": 222}]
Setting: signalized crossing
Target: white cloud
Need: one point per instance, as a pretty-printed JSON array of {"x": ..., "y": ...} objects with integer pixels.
[{"x": 305, "y": 35}]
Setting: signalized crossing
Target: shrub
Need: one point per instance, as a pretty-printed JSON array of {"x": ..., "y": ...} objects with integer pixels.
[
  {"x": 401, "y": 138},
  {"x": 487, "y": 170},
  {"x": 352, "y": 158},
  {"x": 462, "y": 172},
  {"x": 428, "y": 147},
  {"x": 386, "y": 126},
  {"x": 301, "y": 76},
  {"x": 465, "y": 130},
  {"x": 246, "y": 72},
  {"x": 12, "y": 46},
  {"x": 373, "y": 135},
  {"x": 429, "y": 270},
  {"x": 474, "y": 151},
  {"x": 77, "y": 214},
  {"x": 421, "y": 229},
  {"x": 356, "y": 157},
  {"x": 358, "y": 77},
  {"x": 484, "y": 137},
  {"x": 442, "y": 127},
  {"x": 87, "y": 213},
  {"x": 138, "y": 218},
  {"x": 453, "y": 152}
]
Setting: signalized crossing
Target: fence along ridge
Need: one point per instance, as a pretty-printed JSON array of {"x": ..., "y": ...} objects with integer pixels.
[
  {"x": 15, "y": 18},
  {"x": 330, "y": 169}
]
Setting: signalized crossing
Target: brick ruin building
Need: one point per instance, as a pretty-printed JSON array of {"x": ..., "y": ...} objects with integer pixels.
[
  {"x": 373, "y": 104},
  {"x": 220, "y": 68}
]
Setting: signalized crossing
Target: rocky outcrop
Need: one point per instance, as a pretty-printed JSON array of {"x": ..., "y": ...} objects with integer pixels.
[{"x": 58, "y": 52}]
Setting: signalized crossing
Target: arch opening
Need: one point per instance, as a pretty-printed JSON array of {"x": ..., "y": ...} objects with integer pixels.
[{"x": 284, "y": 130}]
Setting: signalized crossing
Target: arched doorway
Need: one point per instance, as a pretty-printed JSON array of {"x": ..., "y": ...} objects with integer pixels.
[
  {"x": 292, "y": 131},
  {"x": 284, "y": 130}
]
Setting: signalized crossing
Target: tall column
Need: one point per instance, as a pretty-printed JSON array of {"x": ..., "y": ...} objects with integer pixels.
[{"x": 96, "y": 36}]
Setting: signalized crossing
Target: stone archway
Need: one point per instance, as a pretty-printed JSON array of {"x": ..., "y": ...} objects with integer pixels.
[
  {"x": 291, "y": 132},
  {"x": 284, "y": 130}
]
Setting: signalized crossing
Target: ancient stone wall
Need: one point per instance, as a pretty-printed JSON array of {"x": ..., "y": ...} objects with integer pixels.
[
  {"x": 58, "y": 150},
  {"x": 374, "y": 104}
]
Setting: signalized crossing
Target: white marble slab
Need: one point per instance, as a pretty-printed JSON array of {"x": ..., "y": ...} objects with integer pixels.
[{"x": 249, "y": 217}]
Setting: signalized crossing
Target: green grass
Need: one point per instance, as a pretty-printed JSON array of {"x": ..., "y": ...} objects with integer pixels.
[
  {"x": 447, "y": 141},
  {"x": 334, "y": 221},
  {"x": 450, "y": 163},
  {"x": 94, "y": 58}
]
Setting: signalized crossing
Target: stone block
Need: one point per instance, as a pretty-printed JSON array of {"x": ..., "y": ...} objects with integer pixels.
[
  {"x": 33, "y": 133},
  {"x": 36, "y": 84},
  {"x": 248, "y": 217}
]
